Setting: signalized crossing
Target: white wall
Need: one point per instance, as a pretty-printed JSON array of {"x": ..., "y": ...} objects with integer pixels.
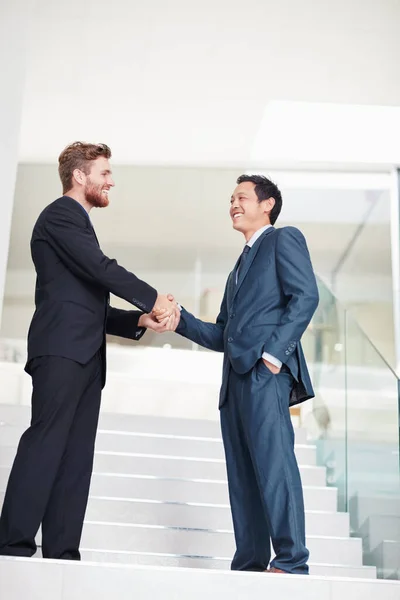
[
  {"x": 212, "y": 82},
  {"x": 14, "y": 36}
]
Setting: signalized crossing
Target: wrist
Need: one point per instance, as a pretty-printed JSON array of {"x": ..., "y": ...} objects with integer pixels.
[{"x": 140, "y": 322}]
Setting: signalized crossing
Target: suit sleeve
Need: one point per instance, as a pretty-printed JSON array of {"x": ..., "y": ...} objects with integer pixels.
[
  {"x": 298, "y": 282},
  {"x": 124, "y": 323},
  {"x": 208, "y": 335},
  {"x": 77, "y": 248}
]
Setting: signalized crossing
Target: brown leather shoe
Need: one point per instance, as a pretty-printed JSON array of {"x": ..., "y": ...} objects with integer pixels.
[{"x": 275, "y": 570}]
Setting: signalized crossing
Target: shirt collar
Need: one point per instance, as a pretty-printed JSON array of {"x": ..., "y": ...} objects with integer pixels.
[{"x": 256, "y": 235}]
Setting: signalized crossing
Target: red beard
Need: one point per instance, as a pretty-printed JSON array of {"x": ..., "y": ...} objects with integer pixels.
[{"x": 94, "y": 195}]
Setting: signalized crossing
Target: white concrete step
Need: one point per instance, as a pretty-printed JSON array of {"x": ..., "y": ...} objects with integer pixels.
[
  {"x": 182, "y": 490},
  {"x": 201, "y": 447},
  {"x": 167, "y": 465},
  {"x": 110, "y": 440},
  {"x": 188, "y": 466},
  {"x": 176, "y": 540},
  {"x": 132, "y": 537},
  {"x": 19, "y": 417},
  {"x": 197, "y": 515},
  {"x": 68, "y": 580},
  {"x": 178, "y": 466},
  {"x": 189, "y": 490},
  {"x": 209, "y": 562}
]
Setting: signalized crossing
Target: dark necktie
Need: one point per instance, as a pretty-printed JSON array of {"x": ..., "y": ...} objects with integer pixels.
[{"x": 242, "y": 260}]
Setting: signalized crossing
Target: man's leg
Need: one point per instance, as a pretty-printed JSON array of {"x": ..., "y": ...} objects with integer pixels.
[
  {"x": 269, "y": 432},
  {"x": 58, "y": 383},
  {"x": 250, "y": 525},
  {"x": 63, "y": 519}
]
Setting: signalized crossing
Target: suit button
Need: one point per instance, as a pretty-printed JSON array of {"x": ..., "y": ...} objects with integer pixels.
[
  {"x": 232, "y": 316},
  {"x": 230, "y": 339},
  {"x": 287, "y": 352}
]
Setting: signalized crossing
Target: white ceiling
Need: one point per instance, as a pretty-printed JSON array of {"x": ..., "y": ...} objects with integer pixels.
[{"x": 190, "y": 83}]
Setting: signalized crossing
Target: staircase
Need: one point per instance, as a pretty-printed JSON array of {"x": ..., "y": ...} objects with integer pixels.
[
  {"x": 159, "y": 500},
  {"x": 159, "y": 497}
]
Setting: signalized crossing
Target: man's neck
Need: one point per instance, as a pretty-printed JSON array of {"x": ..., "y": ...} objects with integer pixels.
[{"x": 80, "y": 198}]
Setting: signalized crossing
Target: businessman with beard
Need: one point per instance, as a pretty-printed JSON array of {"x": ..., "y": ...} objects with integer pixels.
[{"x": 50, "y": 478}]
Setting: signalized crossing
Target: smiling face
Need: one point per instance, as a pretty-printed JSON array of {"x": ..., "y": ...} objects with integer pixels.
[
  {"x": 98, "y": 183},
  {"x": 248, "y": 214}
]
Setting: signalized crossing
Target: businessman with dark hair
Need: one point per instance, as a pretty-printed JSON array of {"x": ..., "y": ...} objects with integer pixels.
[{"x": 269, "y": 299}]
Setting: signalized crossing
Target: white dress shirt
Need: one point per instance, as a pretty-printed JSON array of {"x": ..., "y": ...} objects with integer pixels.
[{"x": 252, "y": 240}]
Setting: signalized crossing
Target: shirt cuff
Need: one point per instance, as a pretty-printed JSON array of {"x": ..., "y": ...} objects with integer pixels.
[{"x": 275, "y": 361}]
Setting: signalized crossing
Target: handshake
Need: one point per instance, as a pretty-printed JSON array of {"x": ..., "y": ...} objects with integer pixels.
[{"x": 165, "y": 315}]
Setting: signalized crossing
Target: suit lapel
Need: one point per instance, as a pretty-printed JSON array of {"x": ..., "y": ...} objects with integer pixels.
[
  {"x": 94, "y": 233},
  {"x": 76, "y": 206},
  {"x": 250, "y": 257}
]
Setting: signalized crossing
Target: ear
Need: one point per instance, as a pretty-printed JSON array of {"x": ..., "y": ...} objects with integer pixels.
[
  {"x": 79, "y": 176},
  {"x": 269, "y": 205}
]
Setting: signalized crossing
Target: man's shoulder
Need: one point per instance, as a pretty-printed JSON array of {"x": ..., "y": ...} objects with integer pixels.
[
  {"x": 62, "y": 201},
  {"x": 63, "y": 209},
  {"x": 66, "y": 203},
  {"x": 64, "y": 206},
  {"x": 281, "y": 235},
  {"x": 289, "y": 232}
]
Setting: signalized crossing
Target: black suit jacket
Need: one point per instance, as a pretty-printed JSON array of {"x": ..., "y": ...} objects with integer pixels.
[{"x": 73, "y": 284}]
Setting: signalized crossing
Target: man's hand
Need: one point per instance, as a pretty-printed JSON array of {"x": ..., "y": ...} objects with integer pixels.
[
  {"x": 275, "y": 370},
  {"x": 163, "y": 307},
  {"x": 166, "y": 324}
]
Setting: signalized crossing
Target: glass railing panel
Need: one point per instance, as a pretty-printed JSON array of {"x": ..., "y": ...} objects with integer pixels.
[
  {"x": 373, "y": 477},
  {"x": 325, "y": 415}
]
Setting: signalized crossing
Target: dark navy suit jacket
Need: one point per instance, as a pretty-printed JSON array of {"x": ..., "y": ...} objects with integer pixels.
[{"x": 267, "y": 310}]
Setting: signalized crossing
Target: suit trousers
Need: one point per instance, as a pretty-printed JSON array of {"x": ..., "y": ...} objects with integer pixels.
[
  {"x": 50, "y": 478},
  {"x": 263, "y": 476}
]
